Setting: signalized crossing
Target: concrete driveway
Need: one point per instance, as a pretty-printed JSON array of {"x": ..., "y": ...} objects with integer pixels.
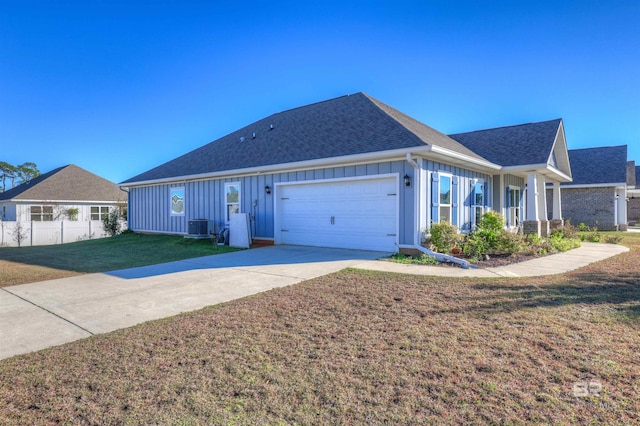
[{"x": 48, "y": 313}]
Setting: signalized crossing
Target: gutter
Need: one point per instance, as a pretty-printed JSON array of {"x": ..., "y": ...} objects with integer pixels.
[{"x": 416, "y": 244}]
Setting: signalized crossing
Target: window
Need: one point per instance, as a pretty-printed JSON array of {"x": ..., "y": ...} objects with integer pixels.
[
  {"x": 99, "y": 212},
  {"x": 514, "y": 207},
  {"x": 477, "y": 203},
  {"x": 444, "y": 215},
  {"x": 232, "y": 198},
  {"x": 42, "y": 213},
  {"x": 176, "y": 196}
]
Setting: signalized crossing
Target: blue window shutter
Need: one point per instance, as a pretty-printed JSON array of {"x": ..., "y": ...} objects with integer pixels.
[
  {"x": 486, "y": 195},
  {"x": 472, "y": 202},
  {"x": 508, "y": 205},
  {"x": 454, "y": 200},
  {"x": 435, "y": 197}
]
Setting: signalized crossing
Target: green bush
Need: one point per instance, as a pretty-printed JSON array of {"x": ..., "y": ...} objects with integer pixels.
[
  {"x": 612, "y": 239},
  {"x": 444, "y": 236},
  {"x": 487, "y": 236},
  {"x": 558, "y": 243},
  {"x": 111, "y": 223},
  {"x": 423, "y": 259}
]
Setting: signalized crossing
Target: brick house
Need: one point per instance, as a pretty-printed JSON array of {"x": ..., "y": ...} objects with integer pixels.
[{"x": 597, "y": 196}]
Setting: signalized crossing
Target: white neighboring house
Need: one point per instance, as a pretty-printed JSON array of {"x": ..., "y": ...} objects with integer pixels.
[{"x": 63, "y": 205}]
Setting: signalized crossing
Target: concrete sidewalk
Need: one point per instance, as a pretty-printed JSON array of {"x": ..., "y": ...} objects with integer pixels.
[
  {"x": 548, "y": 265},
  {"x": 48, "y": 313}
]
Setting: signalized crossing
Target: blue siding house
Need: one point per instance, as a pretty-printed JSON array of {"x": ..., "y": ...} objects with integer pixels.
[{"x": 353, "y": 172}]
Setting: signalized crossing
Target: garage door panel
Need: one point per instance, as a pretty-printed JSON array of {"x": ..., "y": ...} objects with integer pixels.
[{"x": 350, "y": 214}]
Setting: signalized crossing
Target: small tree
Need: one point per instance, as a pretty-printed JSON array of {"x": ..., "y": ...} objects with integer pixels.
[
  {"x": 111, "y": 223},
  {"x": 20, "y": 233}
]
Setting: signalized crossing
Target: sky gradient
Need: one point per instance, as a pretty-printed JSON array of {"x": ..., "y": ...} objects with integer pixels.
[{"x": 120, "y": 87}]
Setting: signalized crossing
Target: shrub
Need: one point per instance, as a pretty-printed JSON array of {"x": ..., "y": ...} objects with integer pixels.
[
  {"x": 612, "y": 239},
  {"x": 111, "y": 223},
  {"x": 593, "y": 236},
  {"x": 486, "y": 237},
  {"x": 423, "y": 259},
  {"x": 444, "y": 236},
  {"x": 559, "y": 243}
]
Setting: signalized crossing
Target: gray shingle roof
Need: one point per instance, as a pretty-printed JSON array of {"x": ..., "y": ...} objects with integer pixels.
[
  {"x": 68, "y": 183},
  {"x": 598, "y": 165},
  {"x": 530, "y": 143},
  {"x": 348, "y": 125}
]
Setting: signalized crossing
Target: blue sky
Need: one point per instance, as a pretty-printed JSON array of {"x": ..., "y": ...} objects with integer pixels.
[{"x": 120, "y": 87}]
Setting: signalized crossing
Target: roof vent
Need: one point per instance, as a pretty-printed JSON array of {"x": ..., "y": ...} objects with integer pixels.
[
  {"x": 254, "y": 135},
  {"x": 241, "y": 138},
  {"x": 271, "y": 127}
]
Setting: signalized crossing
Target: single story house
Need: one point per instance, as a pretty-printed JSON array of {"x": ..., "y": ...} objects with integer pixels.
[
  {"x": 597, "y": 196},
  {"x": 353, "y": 172},
  {"x": 66, "y": 193}
]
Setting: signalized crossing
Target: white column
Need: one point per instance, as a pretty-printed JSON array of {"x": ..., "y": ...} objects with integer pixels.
[
  {"x": 532, "y": 197},
  {"x": 542, "y": 198},
  {"x": 557, "y": 202},
  {"x": 622, "y": 208}
]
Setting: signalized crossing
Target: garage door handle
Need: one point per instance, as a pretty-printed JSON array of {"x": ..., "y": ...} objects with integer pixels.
[
  {"x": 284, "y": 230},
  {"x": 333, "y": 220},
  {"x": 391, "y": 235}
]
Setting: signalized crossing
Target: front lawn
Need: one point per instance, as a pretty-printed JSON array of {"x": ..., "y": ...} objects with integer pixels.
[
  {"x": 360, "y": 347},
  {"x": 20, "y": 265}
]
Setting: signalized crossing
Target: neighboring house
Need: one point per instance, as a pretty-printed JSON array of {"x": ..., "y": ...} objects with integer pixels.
[
  {"x": 597, "y": 196},
  {"x": 66, "y": 193},
  {"x": 352, "y": 172},
  {"x": 633, "y": 194}
]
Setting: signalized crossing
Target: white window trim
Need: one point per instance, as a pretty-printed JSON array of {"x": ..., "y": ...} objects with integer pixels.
[
  {"x": 474, "y": 204},
  {"x": 184, "y": 201},
  {"x": 42, "y": 213},
  {"x": 100, "y": 212},
  {"x": 227, "y": 204},
  {"x": 511, "y": 208},
  {"x": 440, "y": 205}
]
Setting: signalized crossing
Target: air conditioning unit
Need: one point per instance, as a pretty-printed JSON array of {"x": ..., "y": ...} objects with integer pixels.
[{"x": 199, "y": 227}]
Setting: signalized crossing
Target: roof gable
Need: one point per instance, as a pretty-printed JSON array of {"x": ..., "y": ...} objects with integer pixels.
[
  {"x": 519, "y": 145},
  {"x": 602, "y": 165},
  {"x": 344, "y": 126},
  {"x": 68, "y": 183}
]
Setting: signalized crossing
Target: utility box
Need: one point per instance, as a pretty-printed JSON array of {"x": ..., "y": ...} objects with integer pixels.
[{"x": 199, "y": 227}]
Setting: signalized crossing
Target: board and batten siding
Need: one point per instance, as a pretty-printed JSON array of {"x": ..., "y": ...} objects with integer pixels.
[
  {"x": 464, "y": 201},
  {"x": 149, "y": 206}
]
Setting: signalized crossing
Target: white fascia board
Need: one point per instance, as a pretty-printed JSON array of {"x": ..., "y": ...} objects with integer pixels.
[
  {"x": 597, "y": 185},
  {"x": 288, "y": 167},
  {"x": 467, "y": 159},
  {"x": 544, "y": 169},
  {"x": 67, "y": 201}
]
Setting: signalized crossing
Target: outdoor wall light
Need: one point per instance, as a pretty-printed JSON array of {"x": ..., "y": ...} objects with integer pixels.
[
  {"x": 407, "y": 180},
  {"x": 267, "y": 189}
]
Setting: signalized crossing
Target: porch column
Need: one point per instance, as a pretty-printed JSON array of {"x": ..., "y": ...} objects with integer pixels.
[
  {"x": 542, "y": 206},
  {"x": 531, "y": 225},
  {"x": 556, "y": 218}
]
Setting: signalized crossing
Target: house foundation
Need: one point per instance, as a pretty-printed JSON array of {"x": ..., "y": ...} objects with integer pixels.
[
  {"x": 555, "y": 225},
  {"x": 531, "y": 227}
]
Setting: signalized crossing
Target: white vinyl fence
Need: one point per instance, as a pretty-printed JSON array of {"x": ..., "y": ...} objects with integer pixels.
[{"x": 36, "y": 233}]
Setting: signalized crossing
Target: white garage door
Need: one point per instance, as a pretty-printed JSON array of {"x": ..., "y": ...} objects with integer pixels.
[{"x": 357, "y": 214}]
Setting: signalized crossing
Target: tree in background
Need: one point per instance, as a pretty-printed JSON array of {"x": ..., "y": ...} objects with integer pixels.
[{"x": 17, "y": 174}]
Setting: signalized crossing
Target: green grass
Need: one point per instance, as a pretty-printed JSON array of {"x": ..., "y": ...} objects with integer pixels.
[{"x": 106, "y": 254}]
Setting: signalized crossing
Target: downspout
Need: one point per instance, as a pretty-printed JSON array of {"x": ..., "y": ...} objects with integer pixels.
[{"x": 416, "y": 244}]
